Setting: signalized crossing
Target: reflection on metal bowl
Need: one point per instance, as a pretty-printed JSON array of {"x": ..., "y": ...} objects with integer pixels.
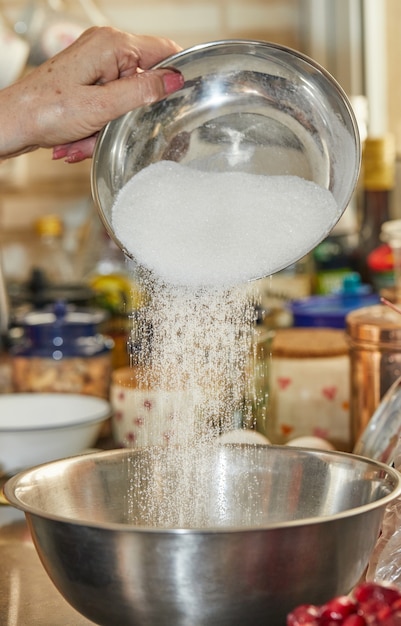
[{"x": 266, "y": 528}]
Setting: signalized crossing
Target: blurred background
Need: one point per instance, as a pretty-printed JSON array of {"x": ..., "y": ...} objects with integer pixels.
[
  {"x": 52, "y": 244},
  {"x": 358, "y": 41}
]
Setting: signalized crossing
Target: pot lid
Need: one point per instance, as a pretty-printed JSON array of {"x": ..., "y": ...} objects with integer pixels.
[
  {"x": 374, "y": 324},
  {"x": 62, "y": 314}
]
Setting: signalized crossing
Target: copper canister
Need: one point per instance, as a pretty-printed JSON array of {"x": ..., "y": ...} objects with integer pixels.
[{"x": 374, "y": 335}]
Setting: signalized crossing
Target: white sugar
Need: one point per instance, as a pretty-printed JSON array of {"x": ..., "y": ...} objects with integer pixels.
[{"x": 193, "y": 228}]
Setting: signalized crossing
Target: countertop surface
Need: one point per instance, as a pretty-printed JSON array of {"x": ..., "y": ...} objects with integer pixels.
[{"x": 27, "y": 595}]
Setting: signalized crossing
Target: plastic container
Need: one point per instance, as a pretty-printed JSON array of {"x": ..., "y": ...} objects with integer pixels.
[
  {"x": 50, "y": 26},
  {"x": 331, "y": 311}
]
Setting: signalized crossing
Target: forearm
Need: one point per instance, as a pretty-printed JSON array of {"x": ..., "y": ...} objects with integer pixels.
[{"x": 16, "y": 123}]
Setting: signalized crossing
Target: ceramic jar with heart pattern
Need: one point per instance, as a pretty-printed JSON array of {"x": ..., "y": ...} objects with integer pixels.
[{"x": 310, "y": 386}]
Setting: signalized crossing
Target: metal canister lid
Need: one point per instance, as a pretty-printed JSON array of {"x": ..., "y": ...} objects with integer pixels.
[
  {"x": 376, "y": 324},
  {"x": 71, "y": 332},
  {"x": 85, "y": 318}
]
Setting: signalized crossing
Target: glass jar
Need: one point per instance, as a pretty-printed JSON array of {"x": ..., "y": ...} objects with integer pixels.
[
  {"x": 309, "y": 386},
  {"x": 61, "y": 350}
]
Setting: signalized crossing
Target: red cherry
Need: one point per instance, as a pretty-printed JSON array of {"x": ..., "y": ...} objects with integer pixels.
[
  {"x": 369, "y": 591},
  {"x": 391, "y": 620},
  {"x": 372, "y": 604},
  {"x": 304, "y": 615},
  {"x": 354, "y": 620},
  {"x": 337, "y": 609},
  {"x": 396, "y": 605},
  {"x": 374, "y": 608}
]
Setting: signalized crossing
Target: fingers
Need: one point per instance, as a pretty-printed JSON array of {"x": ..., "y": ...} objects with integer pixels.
[
  {"x": 75, "y": 151},
  {"x": 117, "y": 97},
  {"x": 147, "y": 87},
  {"x": 112, "y": 54},
  {"x": 154, "y": 49}
]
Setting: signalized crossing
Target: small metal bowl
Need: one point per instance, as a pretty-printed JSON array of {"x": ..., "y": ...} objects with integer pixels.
[
  {"x": 246, "y": 106},
  {"x": 239, "y": 534}
]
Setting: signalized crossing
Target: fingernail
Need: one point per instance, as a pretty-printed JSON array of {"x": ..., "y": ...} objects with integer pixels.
[
  {"x": 173, "y": 81},
  {"x": 59, "y": 152},
  {"x": 75, "y": 156}
]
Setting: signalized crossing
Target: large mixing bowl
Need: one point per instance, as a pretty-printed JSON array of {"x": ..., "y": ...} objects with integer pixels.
[
  {"x": 241, "y": 536},
  {"x": 247, "y": 106}
]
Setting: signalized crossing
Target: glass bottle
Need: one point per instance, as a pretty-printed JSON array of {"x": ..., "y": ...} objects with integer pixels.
[
  {"x": 49, "y": 258},
  {"x": 376, "y": 195},
  {"x": 106, "y": 271},
  {"x": 391, "y": 235},
  {"x": 333, "y": 257}
]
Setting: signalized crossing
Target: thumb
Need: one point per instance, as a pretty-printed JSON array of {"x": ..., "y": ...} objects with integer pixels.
[{"x": 143, "y": 88}]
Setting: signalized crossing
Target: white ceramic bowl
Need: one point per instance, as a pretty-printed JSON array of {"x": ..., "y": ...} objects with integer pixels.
[{"x": 40, "y": 427}]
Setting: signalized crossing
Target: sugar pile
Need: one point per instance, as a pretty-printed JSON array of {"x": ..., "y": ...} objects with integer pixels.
[
  {"x": 197, "y": 238},
  {"x": 196, "y": 228}
]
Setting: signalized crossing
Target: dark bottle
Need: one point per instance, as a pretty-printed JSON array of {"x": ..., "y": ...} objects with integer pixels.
[
  {"x": 333, "y": 262},
  {"x": 378, "y": 178}
]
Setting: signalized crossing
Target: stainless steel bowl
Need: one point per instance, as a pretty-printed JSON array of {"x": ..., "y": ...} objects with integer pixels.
[
  {"x": 280, "y": 527},
  {"x": 248, "y": 106}
]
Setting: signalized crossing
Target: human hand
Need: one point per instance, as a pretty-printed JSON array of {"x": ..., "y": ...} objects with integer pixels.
[{"x": 63, "y": 103}]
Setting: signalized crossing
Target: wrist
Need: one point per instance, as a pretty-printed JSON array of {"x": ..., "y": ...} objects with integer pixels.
[{"x": 16, "y": 135}]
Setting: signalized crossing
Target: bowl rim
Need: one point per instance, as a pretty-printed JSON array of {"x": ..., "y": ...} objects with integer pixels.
[
  {"x": 101, "y": 410},
  {"x": 17, "y": 481}
]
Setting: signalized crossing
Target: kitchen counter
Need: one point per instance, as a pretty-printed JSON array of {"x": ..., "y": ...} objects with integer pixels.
[{"x": 27, "y": 595}]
